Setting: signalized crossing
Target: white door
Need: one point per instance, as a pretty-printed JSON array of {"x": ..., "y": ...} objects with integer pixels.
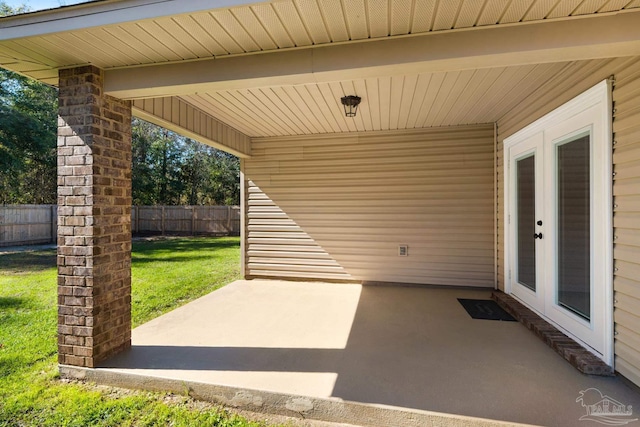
[
  {"x": 526, "y": 162},
  {"x": 558, "y": 177}
]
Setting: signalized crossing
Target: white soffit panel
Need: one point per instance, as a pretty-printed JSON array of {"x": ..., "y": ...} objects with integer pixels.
[{"x": 388, "y": 103}]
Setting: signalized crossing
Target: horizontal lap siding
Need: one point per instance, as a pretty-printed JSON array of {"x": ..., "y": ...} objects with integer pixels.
[
  {"x": 277, "y": 247},
  {"x": 338, "y": 207},
  {"x": 626, "y": 185},
  {"x": 626, "y": 221},
  {"x": 175, "y": 114}
]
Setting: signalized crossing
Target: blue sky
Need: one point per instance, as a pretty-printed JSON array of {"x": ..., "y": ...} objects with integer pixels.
[{"x": 42, "y": 4}]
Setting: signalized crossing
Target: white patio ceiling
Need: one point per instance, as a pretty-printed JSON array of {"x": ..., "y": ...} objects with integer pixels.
[
  {"x": 118, "y": 35},
  {"x": 388, "y": 103}
]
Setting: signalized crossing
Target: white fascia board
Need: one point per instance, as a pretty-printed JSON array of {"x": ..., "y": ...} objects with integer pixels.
[{"x": 102, "y": 13}]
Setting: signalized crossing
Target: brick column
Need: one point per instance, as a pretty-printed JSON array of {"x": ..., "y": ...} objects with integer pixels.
[{"x": 94, "y": 220}]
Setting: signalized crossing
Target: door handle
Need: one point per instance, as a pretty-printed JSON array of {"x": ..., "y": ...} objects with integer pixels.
[{"x": 537, "y": 236}]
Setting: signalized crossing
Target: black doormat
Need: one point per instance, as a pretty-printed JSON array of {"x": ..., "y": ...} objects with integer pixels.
[{"x": 485, "y": 309}]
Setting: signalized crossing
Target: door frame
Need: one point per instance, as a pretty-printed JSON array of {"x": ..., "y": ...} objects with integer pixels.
[
  {"x": 525, "y": 147},
  {"x": 599, "y": 97}
]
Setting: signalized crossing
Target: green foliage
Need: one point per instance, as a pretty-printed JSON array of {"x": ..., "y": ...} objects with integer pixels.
[
  {"x": 211, "y": 177},
  {"x": 171, "y": 170},
  {"x": 27, "y": 140},
  {"x": 156, "y": 165},
  {"x": 6, "y": 10},
  {"x": 168, "y": 273},
  {"x": 167, "y": 168},
  {"x": 27, "y": 135},
  {"x": 31, "y": 393}
]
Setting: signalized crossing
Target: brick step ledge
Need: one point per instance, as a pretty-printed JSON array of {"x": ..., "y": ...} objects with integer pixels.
[{"x": 581, "y": 358}]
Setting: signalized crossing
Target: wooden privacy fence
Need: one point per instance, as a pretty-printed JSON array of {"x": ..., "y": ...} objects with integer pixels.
[
  {"x": 186, "y": 220},
  {"x": 36, "y": 224},
  {"x": 27, "y": 224}
]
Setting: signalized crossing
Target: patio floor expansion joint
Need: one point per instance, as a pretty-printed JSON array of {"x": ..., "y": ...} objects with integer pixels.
[{"x": 581, "y": 358}]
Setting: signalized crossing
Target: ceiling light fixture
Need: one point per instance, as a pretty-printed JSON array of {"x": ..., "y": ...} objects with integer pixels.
[{"x": 350, "y": 103}]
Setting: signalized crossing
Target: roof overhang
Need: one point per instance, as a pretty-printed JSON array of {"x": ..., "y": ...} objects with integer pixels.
[
  {"x": 499, "y": 46},
  {"x": 212, "y": 69},
  {"x": 102, "y": 13}
]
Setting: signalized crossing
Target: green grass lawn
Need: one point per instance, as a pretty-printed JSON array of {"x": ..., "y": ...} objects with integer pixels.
[{"x": 166, "y": 274}]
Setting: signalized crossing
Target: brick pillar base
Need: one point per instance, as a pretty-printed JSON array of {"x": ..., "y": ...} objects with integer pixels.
[{"x": 94, "y": 220}]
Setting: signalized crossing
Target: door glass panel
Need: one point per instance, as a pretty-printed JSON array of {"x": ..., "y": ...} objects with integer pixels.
[
  {"x": 574, "y": 226},
  {"x": 526, "y": 203}
]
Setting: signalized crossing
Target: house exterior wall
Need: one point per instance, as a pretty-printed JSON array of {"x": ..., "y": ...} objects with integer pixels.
[
  {"x": 626, "y": 185},
  {"x": 337, "y": 207}
]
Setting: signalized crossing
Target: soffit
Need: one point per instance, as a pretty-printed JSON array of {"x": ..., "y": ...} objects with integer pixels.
[
  {"x": 269, "y": 26},
  {"x": 388, "y": 103}
]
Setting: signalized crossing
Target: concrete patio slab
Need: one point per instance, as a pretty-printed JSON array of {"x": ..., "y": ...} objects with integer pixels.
[{"x": 407, "y": 347}]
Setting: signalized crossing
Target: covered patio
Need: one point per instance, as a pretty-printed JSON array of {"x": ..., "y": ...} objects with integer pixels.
[
  {"x": 422, "y": 187},
  {"x": 262, "y": 345}
]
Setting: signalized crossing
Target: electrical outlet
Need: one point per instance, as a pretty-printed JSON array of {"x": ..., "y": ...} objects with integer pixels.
[{"x": 403, "y": 250}]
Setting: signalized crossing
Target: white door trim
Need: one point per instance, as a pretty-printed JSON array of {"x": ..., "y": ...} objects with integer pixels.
[
  {"x": 597, "y": 98},
  {"x": 532, "y": 145}
]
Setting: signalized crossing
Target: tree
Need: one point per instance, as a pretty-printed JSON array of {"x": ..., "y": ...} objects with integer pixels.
[
  {"x": 224, "y": 179},
  {"x": 28, "y": 123},
  {"x": 6, "y": 10},
  {"x": 28, "y": 111},
  {"x": 143, "y": 186},
  {"x": 157, "y": 162},
  {"x": 173, "y": 170},
  {"x": 195, "y": 170},
  {"x": 166, "y": 168},
  {"x": 212, "y": 177},
  {"x": 166, "y": 155}
]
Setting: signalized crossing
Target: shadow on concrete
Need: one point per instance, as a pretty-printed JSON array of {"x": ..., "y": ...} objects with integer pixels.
[
  {"x": 415, "y": 348},
  {"x": 229, "y": 359}
]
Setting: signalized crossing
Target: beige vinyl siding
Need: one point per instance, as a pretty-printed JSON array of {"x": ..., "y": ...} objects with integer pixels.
[
  {"x": 626, "y": 185},
  {"x": 338, "y": 206},
  {"x": 181, "y": 117},
  {"x": 277, "y": 247}
]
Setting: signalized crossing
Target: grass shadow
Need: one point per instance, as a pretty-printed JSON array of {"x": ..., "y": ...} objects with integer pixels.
[
  {"x": 27, "y": 262},
  {"x": 148, "y": 258},
  {"x": 176, "y": 245},
  {"x": 142, "y": 251},
  {"x": 11, "y": 364},
  {"x": 11, "y": 302}
]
